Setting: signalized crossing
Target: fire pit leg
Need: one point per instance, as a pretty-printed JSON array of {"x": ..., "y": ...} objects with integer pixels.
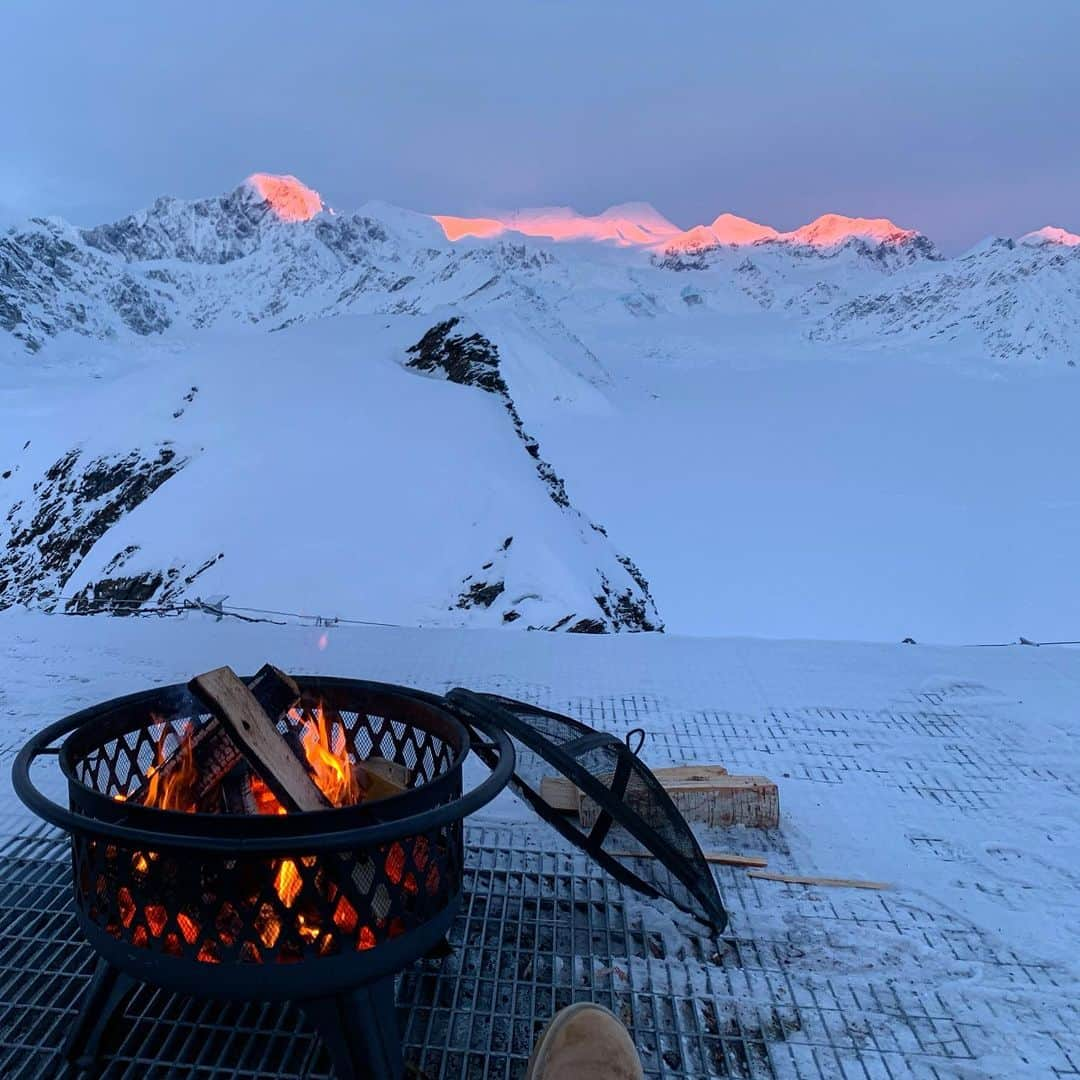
[
  {"x": 360, "y": 1031},
  {"x": 99, "y": 1005}
]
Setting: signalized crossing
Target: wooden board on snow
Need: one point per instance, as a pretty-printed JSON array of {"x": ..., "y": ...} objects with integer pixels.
[
  {"x": 561, "y": 794},
  {"x": 703, "y": 793}
]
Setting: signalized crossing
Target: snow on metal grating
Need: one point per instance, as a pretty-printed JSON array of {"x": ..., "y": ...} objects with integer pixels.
[{"x": 540, "y": 930}]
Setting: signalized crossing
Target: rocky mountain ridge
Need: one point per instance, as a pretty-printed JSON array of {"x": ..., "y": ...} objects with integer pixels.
[
  {"x": 237, "y": 259},
  {"x": 526, "y": 330}
]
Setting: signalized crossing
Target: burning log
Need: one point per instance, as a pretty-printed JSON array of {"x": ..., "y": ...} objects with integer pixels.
[
  {"x": 256, "y": 735},
  {"x": 210, "y": 753},
  {"x": 383, "y": 778},
  {"x": 237, "y": 794},
  {"x": 283, "y": 767}
]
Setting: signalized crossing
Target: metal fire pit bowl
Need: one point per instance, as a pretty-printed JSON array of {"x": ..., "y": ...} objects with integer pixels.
[{"x": 194, "y": 903}]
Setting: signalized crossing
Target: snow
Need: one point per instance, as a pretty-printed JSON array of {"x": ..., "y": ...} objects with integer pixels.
[
  {"x": 831, "y": 433},
  {"x": 288, "y": 197},
  {"x": 827, "y": 231},
  {"x": 626, "y": 225},
  {"x": 787, "y": 440},
  {"x": 395, "y": 487},
  {"x": 831, "y": 229},
  {"x": 949, "y": 773},
  {"x": 1050, "y": 234}
]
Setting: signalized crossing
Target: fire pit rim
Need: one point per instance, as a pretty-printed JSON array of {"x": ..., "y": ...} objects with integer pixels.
[{"x": 320, "y": 831}]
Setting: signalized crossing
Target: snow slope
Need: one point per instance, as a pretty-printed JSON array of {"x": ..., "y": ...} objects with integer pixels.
[{"x": 832, "y": 431}]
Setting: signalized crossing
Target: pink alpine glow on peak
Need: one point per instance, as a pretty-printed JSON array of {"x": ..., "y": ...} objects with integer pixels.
[
  {"x": 640, "y": 225},
  {"x": 1050, "y": 234},
  {"x": 628, "y": 225},
  {"x": 290, "y": 199},
  {"x": 458, "y": 227},
  {"x": 726, "y": 229},
  {"x": 831, "y": 229}
]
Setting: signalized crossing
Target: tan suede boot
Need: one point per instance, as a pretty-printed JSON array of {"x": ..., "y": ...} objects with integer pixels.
[{"x": 585, "y": 1042}]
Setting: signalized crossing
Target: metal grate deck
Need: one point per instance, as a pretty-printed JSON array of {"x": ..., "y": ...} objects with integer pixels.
[
  {"x": 810, "y": 983},
  {"x": 540, "y": 929}
]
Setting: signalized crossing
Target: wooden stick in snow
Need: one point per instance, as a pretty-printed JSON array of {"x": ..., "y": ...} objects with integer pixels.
[
  {"x": 721, "y": 858},
  {"x": 835, "y": 882}
]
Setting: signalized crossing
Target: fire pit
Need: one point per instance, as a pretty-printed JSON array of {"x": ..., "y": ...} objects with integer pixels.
[{"x": 323, "y": 907}]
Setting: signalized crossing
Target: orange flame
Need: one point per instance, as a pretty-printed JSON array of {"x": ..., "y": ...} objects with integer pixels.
[
  {"x": 338, "y": 777},
  {"x": 176, "y": 791},
  {"x": 331, "y": 769}
]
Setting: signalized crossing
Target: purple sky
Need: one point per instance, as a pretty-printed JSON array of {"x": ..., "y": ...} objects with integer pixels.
[{"x": 957, "y": 117}]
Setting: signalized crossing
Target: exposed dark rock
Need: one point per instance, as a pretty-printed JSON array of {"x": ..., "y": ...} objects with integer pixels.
[
  {"x": 588, "y": 626},
  {"x": 120, "y": 558},
  {"x": 120, "y": 595},
  {"x": 127, "y": 595},
  {"x": 74, "y": 508},
  {"x": 481, "y": 594},
  {"x": 140, "y": 310},
  {"x": 468, "y": 361},
  {"x": 473, "y": 360},
  {"x": 511, "y": 616}
]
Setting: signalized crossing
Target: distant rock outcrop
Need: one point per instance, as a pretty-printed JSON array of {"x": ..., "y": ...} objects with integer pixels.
[{"x": 470, "y": 359}]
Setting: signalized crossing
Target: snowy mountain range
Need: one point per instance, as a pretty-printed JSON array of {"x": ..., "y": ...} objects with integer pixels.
[{"x": 388, "y": 413}]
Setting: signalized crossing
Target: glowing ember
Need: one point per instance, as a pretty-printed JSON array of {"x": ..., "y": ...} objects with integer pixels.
[
  {"x": 126, "y": 905},
  {"x": 288, "y": 197},
  {"x": 345, "y": 917},
  {"x": 268, "y": 926},
  {"x": 303, "y": 886},
  {"x": 288, "y": 882},
  {"x": 208, "y": 953},
  {"x": 265, "y": 800},
  {"x": 395, "y": 863},
  {"x": 188, "y": 927},
  {"x": 156, "y": 918}
]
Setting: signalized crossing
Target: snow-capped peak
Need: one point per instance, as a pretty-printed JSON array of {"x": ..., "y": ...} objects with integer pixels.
[
  {"x": 1050, "y": 234},
  {"x": 832, "y": 229},
  {"x": 728, "y": 229},
  {"x": 626, "y": 225},
  {"x": 289, "y": 198}
]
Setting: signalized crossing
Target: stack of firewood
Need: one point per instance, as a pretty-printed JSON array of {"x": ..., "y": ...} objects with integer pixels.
[{"x": 220, "y": 760}]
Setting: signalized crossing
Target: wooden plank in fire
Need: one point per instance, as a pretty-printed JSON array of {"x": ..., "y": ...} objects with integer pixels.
[
  {"x": 257, "y": 736},
  {"x": 211, "y": 750}
]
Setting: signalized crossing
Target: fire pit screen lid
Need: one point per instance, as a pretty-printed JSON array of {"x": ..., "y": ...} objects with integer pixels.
[{"x": 605, "y": 770}]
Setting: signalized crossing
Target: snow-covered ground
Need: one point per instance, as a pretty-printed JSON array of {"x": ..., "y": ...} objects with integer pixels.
[{"x": 948, "y": 772}]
